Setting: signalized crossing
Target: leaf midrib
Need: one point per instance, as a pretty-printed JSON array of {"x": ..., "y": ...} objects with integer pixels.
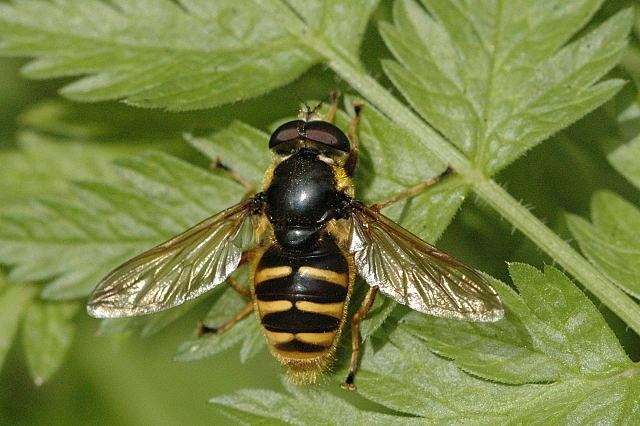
[
  {"x": 97, "y": 42},
  {"x": 481, "y": 146}
]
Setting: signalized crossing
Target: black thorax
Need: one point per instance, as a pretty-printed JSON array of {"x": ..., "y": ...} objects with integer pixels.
[{"x": 301, "y": 198}]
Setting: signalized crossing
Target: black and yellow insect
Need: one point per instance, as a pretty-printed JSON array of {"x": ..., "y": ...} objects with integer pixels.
[{"x": 305, "y": 237}]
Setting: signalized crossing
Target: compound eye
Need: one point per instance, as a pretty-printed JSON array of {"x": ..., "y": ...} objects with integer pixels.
[
  {"x": 287, "y": 132},
  {"x": 327, "y": 134}
]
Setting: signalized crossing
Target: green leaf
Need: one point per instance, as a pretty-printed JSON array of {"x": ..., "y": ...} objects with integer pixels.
[
  {"x": 177, "y": 55},
  {"x": 338, "y": 23},
  {"x": 47, "y": 333},
  {"x": 14, "y": 299},
  {"x": 612, "y": 241},
  {"x": 552, "y": 334},
  {"x": 240, "y": 146},
  {"x": 473, "y": 84},
  {"x": 626, "y": 160},
  {"x": 244, "y": 418},
  {"x": 301, "y": 407},
  {"x": 539, "y": 342},
  {"x": 552, "y": 359},
  {"x": 441, "y": 393},
  {"x": 43, "y": 165},
  {"x": 77, "y": 242}
]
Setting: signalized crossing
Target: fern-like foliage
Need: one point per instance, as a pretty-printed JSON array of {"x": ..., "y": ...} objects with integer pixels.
[
  {"x": 470, "y": 78},
  {"x": 611, "y": 242},
  {"x": 626, "y": 160},
  {"x": 43, "y": 165},
  {"x": 46, "y": 328},
  {"x": 14, "y": 299},
  {"x": 178, "y": 55},
  {"x": 40, "y": 167},
  {"x": 567, "y": 364},
  {"x": 77, "y": 243},
  {"x": 472, "y": 82}
]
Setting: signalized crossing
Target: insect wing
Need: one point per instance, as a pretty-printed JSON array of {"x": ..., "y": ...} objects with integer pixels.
[
  {"x": 417, "y": 274},
  {"x": 178, "y": 270}
]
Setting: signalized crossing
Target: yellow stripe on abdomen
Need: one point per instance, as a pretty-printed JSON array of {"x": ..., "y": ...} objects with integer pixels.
[
  {"x": 320, "y": 339},
  {"x": 273, "y": 306},
  {"x": 339, "y": 278},
  {"x": 332, "y": 309},
  {"x": 266, "y": 274},
  {"x": 277, "y": 338}
]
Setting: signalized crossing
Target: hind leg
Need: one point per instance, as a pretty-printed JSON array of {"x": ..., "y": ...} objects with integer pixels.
[
  {"x": 241, "y": 290},
  {"x": 356, "y": 337},
  {"x": 204, "y": 330}
]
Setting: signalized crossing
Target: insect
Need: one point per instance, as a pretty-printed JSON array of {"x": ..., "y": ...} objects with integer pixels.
[{"x": 305, "y": 237}]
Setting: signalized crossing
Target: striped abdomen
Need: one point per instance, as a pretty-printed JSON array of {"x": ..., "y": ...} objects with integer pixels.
[{"x": 301, "y": 300}]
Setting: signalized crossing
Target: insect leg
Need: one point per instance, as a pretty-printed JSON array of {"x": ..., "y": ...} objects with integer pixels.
[
  {"x": 247, "y": 257},
  {"x": 204, "y": 330},
  {"x": 356, "y": 338},
  {"x": 352, "y": 160},
  {"x": 411, "y": 191},
  {"x": 335, "y": 96},
  {"x": 248, "y": 187},
  {"x": 243, "y": 291}
]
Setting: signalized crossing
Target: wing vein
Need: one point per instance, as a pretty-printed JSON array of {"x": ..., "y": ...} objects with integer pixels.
[
  {"x": 175, "y": 271},
  {"x": 417, "y": 274}
]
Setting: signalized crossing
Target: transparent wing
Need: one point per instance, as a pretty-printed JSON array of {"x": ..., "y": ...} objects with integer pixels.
[
  {"x": 178, "y": 270},
  {"x": 417, "y": 274}
]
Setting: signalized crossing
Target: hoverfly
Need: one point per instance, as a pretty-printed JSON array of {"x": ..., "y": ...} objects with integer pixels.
[{"x": 305, "y": 238}]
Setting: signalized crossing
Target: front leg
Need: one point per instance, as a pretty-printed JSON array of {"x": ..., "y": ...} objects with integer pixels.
[
  {"x": 249, "y": 189},
  {"x": 331, "y": 114},
  {"x": 352, "y": 160},
  {"x": 410, "y": 192}
]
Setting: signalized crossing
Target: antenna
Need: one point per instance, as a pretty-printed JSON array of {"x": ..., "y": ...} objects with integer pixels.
[
  {"x": 307, "y": 112},
  {"x": 307, "y": 109}
]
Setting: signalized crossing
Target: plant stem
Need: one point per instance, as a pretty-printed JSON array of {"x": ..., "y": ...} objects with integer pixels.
[
  {"x": 401, "y": 115},
  {"x": 562, "y": 253},
  {"x": 616, "y": 300}
]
